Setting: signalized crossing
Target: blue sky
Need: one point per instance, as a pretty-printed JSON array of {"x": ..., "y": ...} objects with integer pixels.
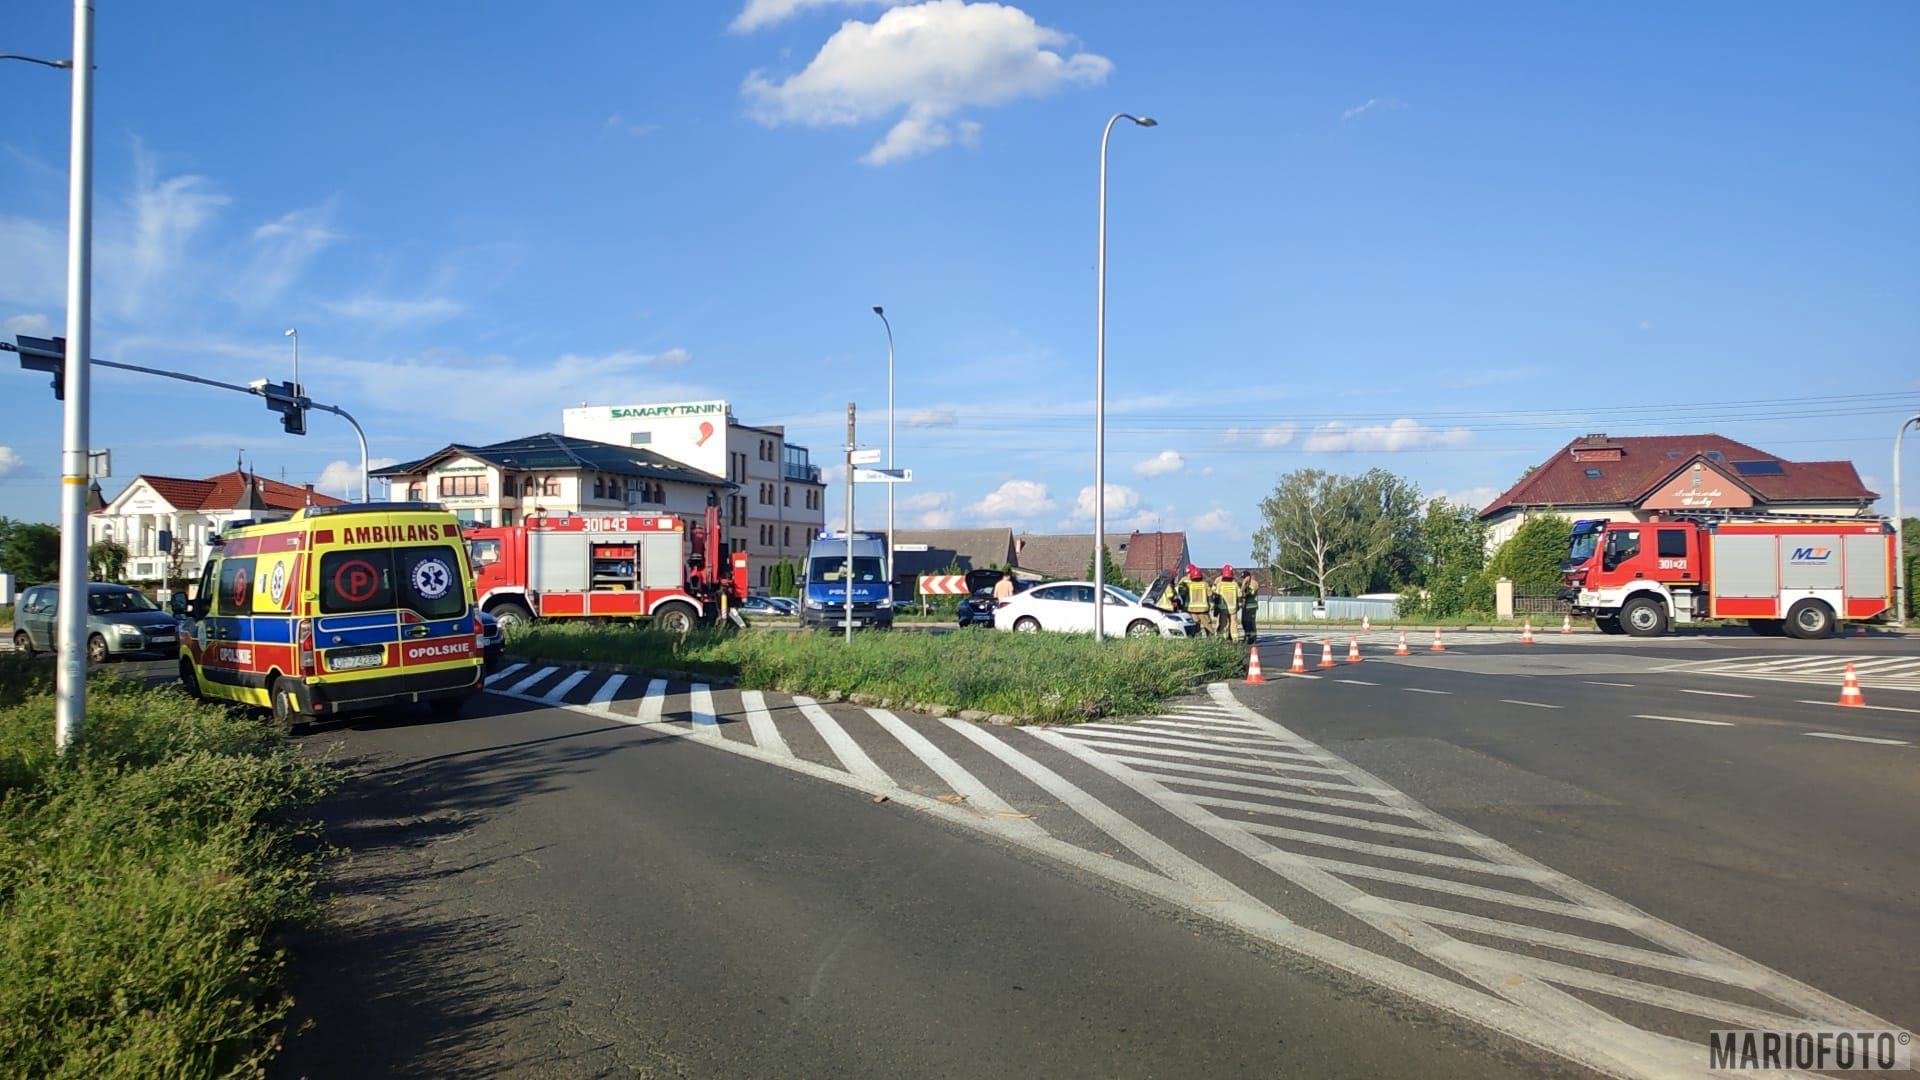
[{"x": 1393, "y": 235}]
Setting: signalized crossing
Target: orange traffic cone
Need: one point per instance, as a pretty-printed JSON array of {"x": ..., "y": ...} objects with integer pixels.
[
  {"x": 1299, "y": 660},
  {"x": 1366, "y": 624},
  {"x": 1402, "y": 650},
  {"x": 1850, "y": 695},
  {"x": 1566, "y": 624},
  {"x": 1253, "y": 665},
  {"x": 1437, "y": 646},
  {"x": 1326, "y": 654},
  {"x": 1353, "y": 650},
  {"x": 1526, "y": 632}
]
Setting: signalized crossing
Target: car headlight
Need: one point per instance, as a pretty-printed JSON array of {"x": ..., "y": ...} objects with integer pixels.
[
  {"x": 128, "y": 629},
  {"x": 885, "y": 603},
  {"x": 812, "y": 603}
]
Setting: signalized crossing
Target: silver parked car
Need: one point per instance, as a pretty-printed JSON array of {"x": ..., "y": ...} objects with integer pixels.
[{"x": 121, "y": 622}]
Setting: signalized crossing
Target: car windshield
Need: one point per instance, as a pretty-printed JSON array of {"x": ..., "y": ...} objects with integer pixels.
[
  {"x": 1582, "y": 547},
  {"x": 1117, "y": 591},
  {"x": 832, "y": 568},
  {"x": 116, "y": 602}
]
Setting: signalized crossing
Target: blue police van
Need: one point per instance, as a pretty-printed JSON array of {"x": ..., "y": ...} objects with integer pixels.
[{"x": 827, "y": 577}]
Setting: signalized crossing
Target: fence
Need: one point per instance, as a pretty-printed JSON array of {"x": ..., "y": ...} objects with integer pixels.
[
  {"x": 1300, "y": 608},
  {"x": 1539, "y": 604}
]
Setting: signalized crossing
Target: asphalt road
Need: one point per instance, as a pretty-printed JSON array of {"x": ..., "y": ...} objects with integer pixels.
[{"x": 588, "y": 878}]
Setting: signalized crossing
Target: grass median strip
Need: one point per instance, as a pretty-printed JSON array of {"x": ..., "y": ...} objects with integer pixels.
[
  {"x": 1044, "y": 677},
  {"x": 142, "y": 877}
]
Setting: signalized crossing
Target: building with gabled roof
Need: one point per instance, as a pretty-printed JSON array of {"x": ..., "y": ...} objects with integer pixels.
[
  {"x": 1646, "y": 477},
  {"x": 189, "y": 511},
  {"x": 1141, "y": 555}
]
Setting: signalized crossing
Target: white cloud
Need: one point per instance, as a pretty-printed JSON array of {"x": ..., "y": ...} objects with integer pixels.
[
  {"x": 637, "y": 130},
  {"x": 31, "y": 325},
  {"x": 342, "y": 478},
  {"x": 1402, "y": 434},
  {"x": 282, "y": 250},
  {"x": 495, "y": 395},
  {"x": 1371, "y": 105},
  {"x": 10, "y": 460},
  {"x": 931, "y": 59},
  {"x": 166, "y": 216},
  {"x": 1121, "y": 500},
  {"x": 763, "y": 13},
  {"x": 387, "y": 311},
  {"x": 33, "y": 262},
  {"x": 1166, "y": 461},
  {"x": 930, "y": 418},
  {"x": 833, "y": 474},
  {"x": 1013, "y": 501},
  {"x": 935, "y": 509},
  {"x": 1213, "y": 521},
  {"x": 1475, "y": 497}
]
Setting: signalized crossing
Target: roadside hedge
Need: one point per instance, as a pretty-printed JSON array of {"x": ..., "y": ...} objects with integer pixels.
[
  {"x": 141, "y": 878},
  {"x": 1055, "y": 678}
]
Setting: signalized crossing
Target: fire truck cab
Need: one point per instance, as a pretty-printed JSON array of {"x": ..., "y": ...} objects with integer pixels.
[
  {"x": 627, "y": 566},
  {"x": 1801, "y": 578}
]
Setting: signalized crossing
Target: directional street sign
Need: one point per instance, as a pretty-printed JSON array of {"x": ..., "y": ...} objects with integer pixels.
[
  {"x": 867, "y": 457},
  {"x": 883, "y": 476}
]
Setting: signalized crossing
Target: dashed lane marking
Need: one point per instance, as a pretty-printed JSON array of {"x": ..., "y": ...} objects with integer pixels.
[
  {"x": 1710, "y": 693},
  {"x": 1424, "y": 690},
  {"x": 1357, "y": 682},
  {"x": 1528, "y": 704},
  {"x": 1877, "y": 708},
  {"x": 1596, "y": 682},
  {"x": 1856, "y": 738},
  {"x": 1684, "y": 720}
]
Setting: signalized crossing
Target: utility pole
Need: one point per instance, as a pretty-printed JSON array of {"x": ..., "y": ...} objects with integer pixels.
[
  {"x": 846, "y": 575},
  {"x": 70, "y": 702},
  {"x": 1899, "y": 530}
]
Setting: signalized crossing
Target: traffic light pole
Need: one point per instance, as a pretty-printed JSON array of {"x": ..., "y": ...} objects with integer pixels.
[{"x": 70, "y": 699}]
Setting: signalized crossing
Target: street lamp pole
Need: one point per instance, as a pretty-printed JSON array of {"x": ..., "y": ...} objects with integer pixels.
[
  {"x": 878, "y": 310},
  {"x": 1899, "y": 527},
  {"x": 1100, "y": 394},
  {"x": 294, "y": 333},
  {"x": 70, "y": 702}
]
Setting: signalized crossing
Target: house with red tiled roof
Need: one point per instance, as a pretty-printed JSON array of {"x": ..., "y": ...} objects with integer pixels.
[
  {"x": 189, "y": 511},
  {"x": 1655, "y": 477},
  {"x": 1141, "y": 555}
]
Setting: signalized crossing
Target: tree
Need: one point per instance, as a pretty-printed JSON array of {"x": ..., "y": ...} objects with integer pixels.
[
  {"x": 1453, "y": 554},
  {"x": 106, "y": 560},
  {"x": 783, "y": 579},
  {"x": 29, "y": 551},
  {"x": 1332, "y": 534},
  {"x": 1532, "y": 556},
  {"x": 1114, "y": 574},
  {"x": 1391, "y": 507}
]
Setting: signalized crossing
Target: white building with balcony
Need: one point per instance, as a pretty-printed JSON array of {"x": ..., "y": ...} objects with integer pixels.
[{"x": 188, "y": 512}]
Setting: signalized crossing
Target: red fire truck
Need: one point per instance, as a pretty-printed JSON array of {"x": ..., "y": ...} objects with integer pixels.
[
  {"x": 624, "y": 566},
  {"x": 1802, "y": 578}
]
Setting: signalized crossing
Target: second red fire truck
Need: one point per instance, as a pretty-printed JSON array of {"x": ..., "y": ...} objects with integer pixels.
[
  {"x": 1802, "y": 578},
  {"x": 627, "y": 566}
]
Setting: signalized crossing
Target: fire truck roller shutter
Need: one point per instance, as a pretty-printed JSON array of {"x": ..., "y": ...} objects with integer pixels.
[
  {"x": 1867, "y": 575},
  {"x": 1746, "y": 576},
  {"x": 1805, "y": 564},
  {"x": 660, "y": 560}
]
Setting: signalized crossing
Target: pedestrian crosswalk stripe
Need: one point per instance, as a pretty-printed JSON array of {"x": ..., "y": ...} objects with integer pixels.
[
  {"x": 760, "y": 722},
  {"x": 653, "y": 703},
  {"x": 560, "y": 690},
  {"x": 523, "y": 685},
  {"x": 960, "y": 780},
  {"x": 852, "y": 758},
  {"x": 603, "y": 697},
  {"x": 700, "y": 704},
  {"x": 503, "y": 673}
]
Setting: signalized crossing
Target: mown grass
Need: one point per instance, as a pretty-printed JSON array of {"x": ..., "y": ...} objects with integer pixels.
[
  {"x": 141, "y": 878},
  {"x": 1047, "y": 677}
]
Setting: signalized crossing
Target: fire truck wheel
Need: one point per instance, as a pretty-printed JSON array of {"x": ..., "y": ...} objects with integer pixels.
[
  {"x": 1644, "y": 617},
  {"x": 510, "y": 614},
  {"x": 1810, "y": 620},
  {"x": 1609, "y": 624},
  {"x": 675, "y": 618}
]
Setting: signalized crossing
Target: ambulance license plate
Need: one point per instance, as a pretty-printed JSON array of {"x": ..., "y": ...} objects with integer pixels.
[{"x": 341, "y": 660}]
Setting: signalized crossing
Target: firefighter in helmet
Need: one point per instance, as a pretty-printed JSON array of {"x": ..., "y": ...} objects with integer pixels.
[
  {"x": 1226, "y": 601},
  {"x": 1197, "y": 598}
]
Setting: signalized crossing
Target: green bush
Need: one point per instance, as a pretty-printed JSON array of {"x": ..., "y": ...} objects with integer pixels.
[
  {"x": 6, "y": 616},
  {"x": 1532, "y": 556},
  {"x": 141, "y": 876},
  {"x": 1050, "y": 677}
]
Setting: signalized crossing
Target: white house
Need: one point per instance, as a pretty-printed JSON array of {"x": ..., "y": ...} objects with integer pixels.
[{"x": 189, "y": 511}]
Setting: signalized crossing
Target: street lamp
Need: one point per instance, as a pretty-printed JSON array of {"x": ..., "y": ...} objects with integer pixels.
[
  {"x": 878, "y": 310},
  {"x": 294, "y": 333},
  {"x": 1100, "y": 394},
  {"x": 1899, "y": 527}
]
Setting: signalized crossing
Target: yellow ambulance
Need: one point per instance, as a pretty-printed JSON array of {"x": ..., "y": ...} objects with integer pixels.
[{"x": 338, "y": 609}]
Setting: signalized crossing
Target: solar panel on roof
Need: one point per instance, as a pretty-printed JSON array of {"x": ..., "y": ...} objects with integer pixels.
[{"x": 1758, "y": 468}]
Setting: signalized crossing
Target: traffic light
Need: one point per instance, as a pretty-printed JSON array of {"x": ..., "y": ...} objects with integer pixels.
[
  {"x": 43, "y": 354},
  {"x": 286, "y": 399}
]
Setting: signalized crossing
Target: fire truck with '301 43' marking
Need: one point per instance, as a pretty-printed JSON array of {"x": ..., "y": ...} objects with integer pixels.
[
  {"x": 1803, "y": 578},
  {"x": 608, "y": 566}
]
